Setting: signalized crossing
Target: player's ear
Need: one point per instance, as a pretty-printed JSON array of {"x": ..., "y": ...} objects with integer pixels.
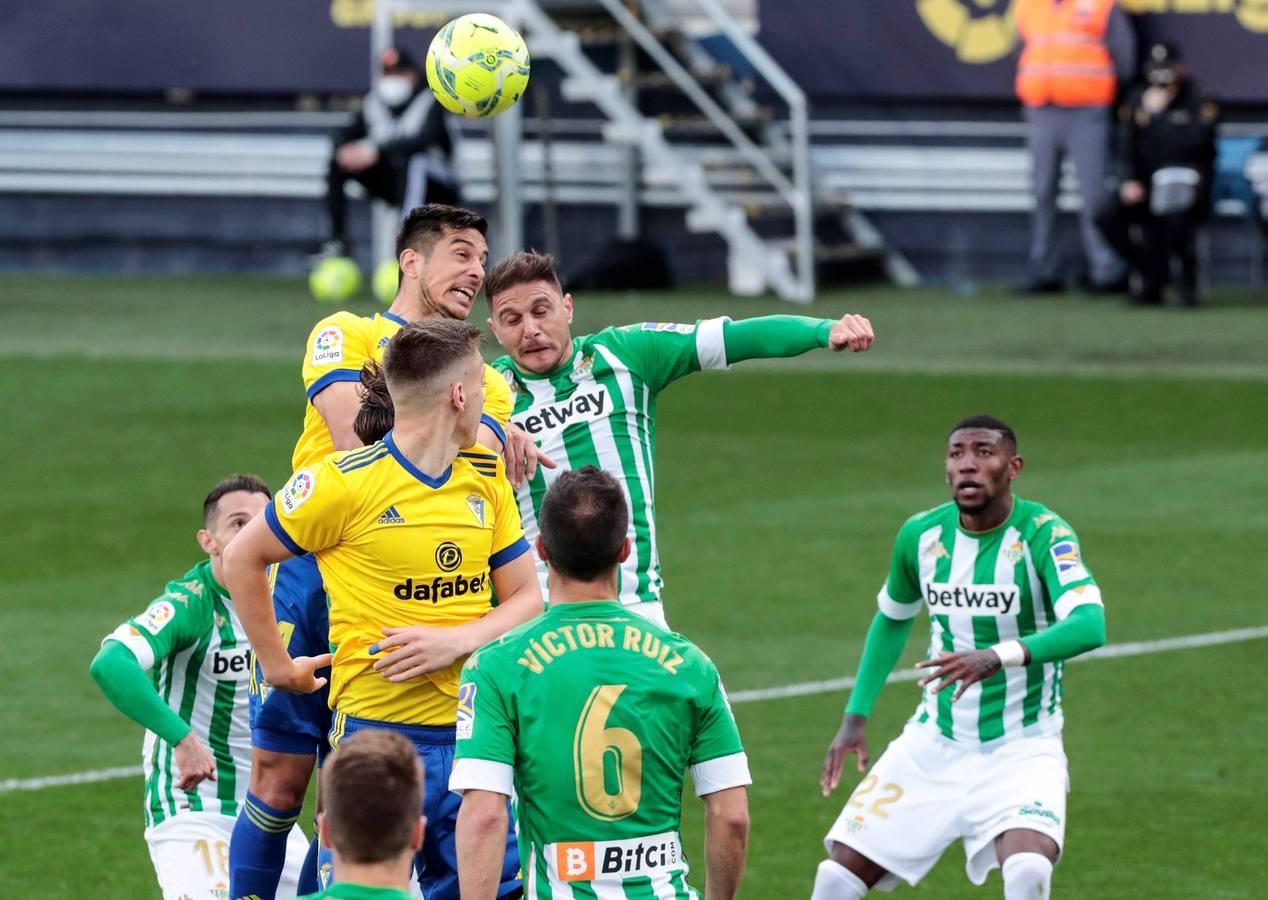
[
  {"x": 409, "y": 263},
  {"x": 420, "y": 832},
  {"x": 206, "y": 541},
  {"x": 323, "y": 829},
  {"x": 541, "y": 549},
  {"x": 493, "y": 327},
  {"x": 1014, "y": 466},
  {"x": 568, "y": 306},
  {"x": 458, "y": 396},
  {"x": 627, "y": 546}
]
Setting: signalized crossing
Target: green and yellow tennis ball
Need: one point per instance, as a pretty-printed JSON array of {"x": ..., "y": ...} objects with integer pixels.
[
  {"x": 386, "y": 278},
  {"x": 335, "y": 280}
]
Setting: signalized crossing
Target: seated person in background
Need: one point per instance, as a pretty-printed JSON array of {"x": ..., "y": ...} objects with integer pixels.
[
  {"x": 398, "y": 148},
  {"x": 1166, "y": 146}
]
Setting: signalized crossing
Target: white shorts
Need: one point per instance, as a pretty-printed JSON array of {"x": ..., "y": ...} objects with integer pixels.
[
  {"x": 190, "y": 852},
  {"x": 925, "y": 792}
]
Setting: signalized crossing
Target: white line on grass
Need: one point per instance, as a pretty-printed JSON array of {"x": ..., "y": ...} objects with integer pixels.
[{"x": 1112, "y": 651}]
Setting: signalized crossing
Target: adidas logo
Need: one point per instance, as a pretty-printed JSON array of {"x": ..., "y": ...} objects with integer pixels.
[{"x": 391, "y": 517}]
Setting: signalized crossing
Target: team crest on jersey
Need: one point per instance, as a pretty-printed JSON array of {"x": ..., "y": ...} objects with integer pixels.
[
  {"x": 584, "y": 370},
  {"x": 1065, "y": 556},
  {"x": 156, "y": 617},
  {"x": 1013, "y": 552},
  {"x": 674, "y": 327},
  {"x": 475, "y": 503},
  {"x": 466, "y": 709},
  {"x": 297, "y": 492},
  {"x": 328, "y": 348}
]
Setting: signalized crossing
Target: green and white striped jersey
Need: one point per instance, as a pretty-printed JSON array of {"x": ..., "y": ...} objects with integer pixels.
[
  {"x": 979, "y": 590},
  {"x": 191, "y": 642},
  {"x": 599, "y": 408},
  {"x": 591, "y": 716}
]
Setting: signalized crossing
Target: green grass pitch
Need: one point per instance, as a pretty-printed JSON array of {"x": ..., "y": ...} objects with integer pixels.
[{"x": 780, "y": 489}]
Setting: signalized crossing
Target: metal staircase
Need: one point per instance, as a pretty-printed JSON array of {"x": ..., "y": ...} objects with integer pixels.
[{"x": 775, "y": 168}]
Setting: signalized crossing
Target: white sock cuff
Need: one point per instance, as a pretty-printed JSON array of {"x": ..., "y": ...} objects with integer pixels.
[
  {"x": 835, "y": 882},
  {"x": 1027, "y": 875}
]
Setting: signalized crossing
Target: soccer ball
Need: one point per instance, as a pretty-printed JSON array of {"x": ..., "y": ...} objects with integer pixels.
[
  {"x": 335, "y": 280},
  {"x": 477, "y": 66},
  {"x": 385, "y": 281}
]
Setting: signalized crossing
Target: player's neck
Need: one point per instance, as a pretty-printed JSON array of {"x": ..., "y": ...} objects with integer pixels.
[
  {"x": 427, "y": 441},
  {"x": 392, "y": 873},
  {"x": 990, "y": 518},
  {"x": 565, "y": 590}
]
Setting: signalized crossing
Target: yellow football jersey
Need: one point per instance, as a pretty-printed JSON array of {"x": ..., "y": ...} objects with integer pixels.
[
  {"x": 398, "y": 547},
  {"x": 338, "y": 347}
]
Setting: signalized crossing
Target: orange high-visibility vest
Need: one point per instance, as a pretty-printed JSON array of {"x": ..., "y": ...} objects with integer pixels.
[{"x": 1065, "y": 61}]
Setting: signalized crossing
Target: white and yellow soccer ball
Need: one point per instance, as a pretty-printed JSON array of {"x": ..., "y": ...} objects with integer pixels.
[{"x": 477, "y": 66}]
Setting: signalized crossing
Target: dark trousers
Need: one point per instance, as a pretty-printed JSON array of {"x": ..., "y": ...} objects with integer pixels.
[
  {"x": 402, "y": 183},
  {"x": 1149, "y": 243}
]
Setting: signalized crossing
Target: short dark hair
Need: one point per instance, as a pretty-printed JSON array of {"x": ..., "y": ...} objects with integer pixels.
[
  {"x": 584, "y": 520},
  {"x": 252, "y": 484},
  {"x": 982, "y": 420},
  {"x": 425, "y": 225},
  {"x": 422, "y": 350},
  {"x": 377, "y": 414},
  {"x": 523, "y": 267},
  {"x": 372, "y": 793}
]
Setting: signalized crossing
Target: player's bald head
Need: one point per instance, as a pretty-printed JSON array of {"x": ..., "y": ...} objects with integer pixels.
[{"x": 425, "y": 357}]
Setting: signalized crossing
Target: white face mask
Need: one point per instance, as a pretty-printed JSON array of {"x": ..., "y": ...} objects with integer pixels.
[{"x": 394, "y": 89}]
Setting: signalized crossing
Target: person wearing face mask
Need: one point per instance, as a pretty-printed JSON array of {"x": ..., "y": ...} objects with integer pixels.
[
  {"x": 398, "y": 148},
  {"x": 1166, "y": 149}
]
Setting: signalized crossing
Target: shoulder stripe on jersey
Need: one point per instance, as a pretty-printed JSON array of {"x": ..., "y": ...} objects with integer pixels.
[
  {"x": 393, "y": 317},
  {"x": 368, "y": 461},
  {"x": 270, "y": 516},
  {"x": 353, "y": 455},
  {"x": 330, "y": 378},
  {"x": 467, "y": 454},
  {"x": 482, "y": 466}
]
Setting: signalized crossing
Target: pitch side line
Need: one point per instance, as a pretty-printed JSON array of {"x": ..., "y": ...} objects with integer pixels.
[{"x": 1112, "y": 651}]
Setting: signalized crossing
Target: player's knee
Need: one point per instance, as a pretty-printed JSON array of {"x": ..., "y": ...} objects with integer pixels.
[
  {"x": 1027, "y": 876},
  {"x": 280, "y": 779},
  {"x": 834, "y": 881}
]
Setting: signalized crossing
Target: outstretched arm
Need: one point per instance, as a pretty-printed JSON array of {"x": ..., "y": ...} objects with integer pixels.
[
  {"x": 775, "y": 337},
  {"x": 885, "y": 641}
]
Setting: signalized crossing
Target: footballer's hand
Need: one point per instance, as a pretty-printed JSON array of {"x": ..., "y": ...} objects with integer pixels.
[
  {"x": 300, "y": 677},
  {"x": 851, "y": 738},
  {"x": 523, "y": 456},
  {"x": 968, "y": 668},
  {"x": 194, "y": 763},
  {"x": 852, "y": 333},
  {"x": 417, "y": 650}
]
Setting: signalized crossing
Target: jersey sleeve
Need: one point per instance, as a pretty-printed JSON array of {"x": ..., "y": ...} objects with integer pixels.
[
  {"x": 900, "y": 596},
  {"x": 509, "y": 542},
  {"x": 717, "y": 760},
  {"x": 484, "y": 755},
  {"x": 662, "y": 352},
  {"x": 1059, "y": 563},
  {"x": 310, "y": 513},
  {"x": 338, "y": 347},
  {"x": 498, "y": 403},
  {"x": 169, "y": 624}
]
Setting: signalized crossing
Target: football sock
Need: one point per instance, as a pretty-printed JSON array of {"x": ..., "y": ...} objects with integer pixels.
[
  {"x": 834, "y": 881},
  {"x": 308, "y": 872},
  {"x": 257, "y": 848},
  {"x": 1027, "y": 876}
]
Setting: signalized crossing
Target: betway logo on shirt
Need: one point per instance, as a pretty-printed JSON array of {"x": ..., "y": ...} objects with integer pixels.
[
  {"x": 231, "y": 665},
  {"x": 974, "y": 599},
  {"x": 583, "y": 406},
  {"x": 614, "y": 861}
]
